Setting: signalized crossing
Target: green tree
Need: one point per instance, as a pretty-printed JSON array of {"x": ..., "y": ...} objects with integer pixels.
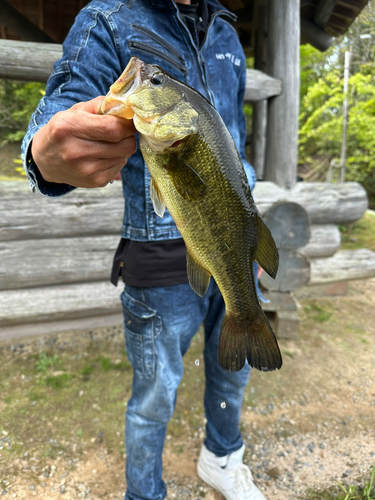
[
  {"x": 18, "y": 101},
  {"x": 321, "y": 116}
]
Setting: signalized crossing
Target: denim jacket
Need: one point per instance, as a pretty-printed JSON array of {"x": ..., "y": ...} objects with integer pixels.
[{"x": 106, "y": 33}]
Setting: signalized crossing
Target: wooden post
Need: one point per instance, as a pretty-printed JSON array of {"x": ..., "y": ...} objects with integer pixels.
[
  {"x": 345, "y": 116},
  {"x": 258, "y": 139},
  {"x": 283, "y": 62}
]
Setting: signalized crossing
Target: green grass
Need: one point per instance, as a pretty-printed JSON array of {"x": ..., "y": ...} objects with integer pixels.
[
  {"x": 78, "y": 398},
  {"x": 347, "y": 492},
  {"x": 360, "y": 234},
  {"x": 46, "y": 361},
  {"x": 318, "y": 312}
]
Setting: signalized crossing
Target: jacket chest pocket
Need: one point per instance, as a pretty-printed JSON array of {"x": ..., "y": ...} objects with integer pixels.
[{"x": 141, "y": 325}]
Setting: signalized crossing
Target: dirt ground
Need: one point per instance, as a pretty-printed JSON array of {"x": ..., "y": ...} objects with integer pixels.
[{"x": 305, "y": 427}]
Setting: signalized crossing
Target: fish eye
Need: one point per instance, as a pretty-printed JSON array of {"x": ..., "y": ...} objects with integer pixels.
[{"x": 157, "y": 79}]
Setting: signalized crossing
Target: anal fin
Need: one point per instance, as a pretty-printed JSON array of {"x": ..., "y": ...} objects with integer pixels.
[{"x": 199, "y": 278}]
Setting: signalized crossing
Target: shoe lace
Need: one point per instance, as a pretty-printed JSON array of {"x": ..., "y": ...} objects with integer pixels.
[{"x": 242, "y": 479}]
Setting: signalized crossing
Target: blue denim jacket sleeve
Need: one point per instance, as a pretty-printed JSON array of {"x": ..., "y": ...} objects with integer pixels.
[{"x": 90, "y": 63}]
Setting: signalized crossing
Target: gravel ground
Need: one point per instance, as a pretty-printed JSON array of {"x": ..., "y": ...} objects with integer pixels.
[{"x": 305, "y": 427}]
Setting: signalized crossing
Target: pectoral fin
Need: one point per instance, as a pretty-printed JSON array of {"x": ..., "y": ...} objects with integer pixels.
[
  {"x": 267, "y": 255},
  {"x": 199, "y": 278},
  {"x": 157, "y": 198},
  {"x": 185, "y": 179}
]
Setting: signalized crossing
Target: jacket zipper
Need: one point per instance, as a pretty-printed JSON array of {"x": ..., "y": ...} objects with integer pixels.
[
  {"x": 217, "y": 13},
  {"x": 161, "y": 41},
  {"x": 143, "y": 47},
  {"x": 200, "y": 58}
]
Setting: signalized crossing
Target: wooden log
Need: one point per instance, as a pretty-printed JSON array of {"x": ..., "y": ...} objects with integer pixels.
[
  {"x": 28, "y": 61},
  {"x": 343, "y": 266},
  {"x": 259, "y": 125},
  {"x": 314, "y": 35},
  {"x": 12, "y": 19},
  {"x": 31, "y": 61},
  {"x": 325, "y": 240},
  {"x": 32, "y": 263},
  {"x": 84, "y": 212},
  {"x": 293, "y": 273},
  {"x": 286, "y": 324},
  {"x": 261, "y": 86},
  {"x": 55, "y": 303},
  {"x": 279, "y": 301},
  {"x": 259, "y": 138},
  {"x": 283, "y": 63},
  {"x": 335, "y": 289},
  {"x": 23, "y": 330},
  {"x": 324, "y": 11},
  {"x": 289, "y": 224},
  {"x": 325, "y": 203}
]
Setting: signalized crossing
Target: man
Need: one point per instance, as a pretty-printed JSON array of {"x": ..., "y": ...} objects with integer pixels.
[{"x": 69, "y": 145}]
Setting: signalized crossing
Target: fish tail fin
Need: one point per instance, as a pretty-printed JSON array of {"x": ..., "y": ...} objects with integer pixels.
[{"x": 252, "y": 340}]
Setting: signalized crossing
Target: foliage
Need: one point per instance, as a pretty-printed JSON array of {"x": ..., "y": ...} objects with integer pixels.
[
  {"x": 360, "y": 234},
  {"x": 18, "y": 101},
  {"x": 322, "y": 97}
]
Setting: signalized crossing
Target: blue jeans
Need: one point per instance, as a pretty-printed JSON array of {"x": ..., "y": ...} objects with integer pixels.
[{"x": 159, "y": 326}]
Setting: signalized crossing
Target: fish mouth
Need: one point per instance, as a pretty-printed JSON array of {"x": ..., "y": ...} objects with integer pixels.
[{"x": 115, "y": 102}]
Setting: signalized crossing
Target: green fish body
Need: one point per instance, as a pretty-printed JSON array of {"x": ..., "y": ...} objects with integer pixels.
[{"x": 197, "y": 173}]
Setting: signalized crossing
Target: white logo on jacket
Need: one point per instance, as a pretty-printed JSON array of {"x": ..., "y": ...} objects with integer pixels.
[{"x": 235, "y": 60}]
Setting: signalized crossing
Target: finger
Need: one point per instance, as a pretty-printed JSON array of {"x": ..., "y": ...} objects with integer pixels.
[
  {"x": 89, "y": 125},
  {"x": 91, "y": 151},
  {"x": 102, "y": 177}
]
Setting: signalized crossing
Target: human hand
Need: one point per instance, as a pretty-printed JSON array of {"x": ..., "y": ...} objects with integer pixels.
[{"x": 81, "y": 148}]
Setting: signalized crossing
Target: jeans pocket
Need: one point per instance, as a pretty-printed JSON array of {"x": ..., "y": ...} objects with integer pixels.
[{"x": 139, "y": 324}]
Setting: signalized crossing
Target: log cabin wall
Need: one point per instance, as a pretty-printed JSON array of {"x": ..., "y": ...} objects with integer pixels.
[{"x": 64, "y": 284}]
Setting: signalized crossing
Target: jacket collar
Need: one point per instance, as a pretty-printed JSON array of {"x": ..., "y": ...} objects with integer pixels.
[{"x": 213, "y": 6}]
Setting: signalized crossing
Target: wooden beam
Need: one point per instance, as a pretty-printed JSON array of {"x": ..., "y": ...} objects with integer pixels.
[
  {"x": 283, "y": 63},
  {"x": 259, "y": 128},
  {"x": 84, "y": 212},
  {"x": 56, "y": 261},
  {"x": 11, "y": 333},
  {"x": 344, "y": 265},
  {"x": 21, "y": 25},
  {"x": 58, "y": 303},
  {"x": 31, "y": 61},
  {"x": 28, "y": 61},
  {"x": 314, "y": 35},
  {"x": 325, "y": 240},
  {"x": 41, "y": 14},
  {"x": 324, "y": 11},
  {"x": 261, "y": 86},
  {"x": 325, "y": 203}
]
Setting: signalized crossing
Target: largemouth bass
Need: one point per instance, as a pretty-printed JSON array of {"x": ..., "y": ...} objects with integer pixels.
[{"x": 197, "y": 173}]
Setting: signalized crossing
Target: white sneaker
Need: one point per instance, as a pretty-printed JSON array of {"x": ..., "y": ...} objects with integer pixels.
[{"x": 228, "y": 475}]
